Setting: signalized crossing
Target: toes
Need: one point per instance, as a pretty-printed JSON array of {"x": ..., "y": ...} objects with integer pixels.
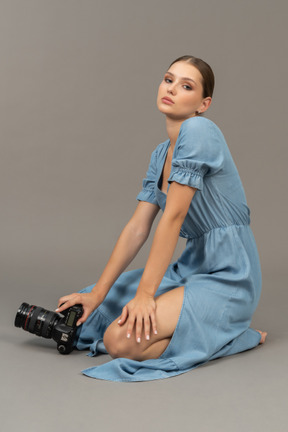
[{"x": 263, "y": 336}]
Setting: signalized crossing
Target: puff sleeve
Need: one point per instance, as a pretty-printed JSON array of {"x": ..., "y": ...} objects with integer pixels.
[
  {"x": 199, "y": 151},
  {"x": 148, "y": 185}
]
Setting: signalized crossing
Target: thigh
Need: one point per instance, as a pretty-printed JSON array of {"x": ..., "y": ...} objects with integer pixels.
[{"x": 168, "y": 308}]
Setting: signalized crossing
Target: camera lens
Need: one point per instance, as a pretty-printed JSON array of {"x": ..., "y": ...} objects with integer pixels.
[{"x": 36, "y": 320}]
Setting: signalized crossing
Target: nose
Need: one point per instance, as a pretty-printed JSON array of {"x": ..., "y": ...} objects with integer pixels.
[{"x": 172, "y": 88}]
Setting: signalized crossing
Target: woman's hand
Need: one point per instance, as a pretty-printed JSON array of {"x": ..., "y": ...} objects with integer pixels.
[
  {"x": 89, "y": 301},
  {"x": 142, "y": 306}
]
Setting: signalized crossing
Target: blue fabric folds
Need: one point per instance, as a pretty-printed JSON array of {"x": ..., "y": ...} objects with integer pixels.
[
  {"x": 121, "y": 369},
  {"x": 219, "y": 266},
  {"x": 127, "y": 370},
  {"x": 90, "y": 334},
  {"x": 184, "y": 172}
]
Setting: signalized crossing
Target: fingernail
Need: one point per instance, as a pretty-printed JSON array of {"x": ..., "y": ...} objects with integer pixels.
[
  {"x": 56, "y": 310},
  {"x": 155, "y": 331},
  {"x": 147, "y": 337},
  {"x": 128, "y": 335},
  {"x": 119, "y": 321},
  {"x": 138, "y": 340},
  {"x": 78, "y": 324}
]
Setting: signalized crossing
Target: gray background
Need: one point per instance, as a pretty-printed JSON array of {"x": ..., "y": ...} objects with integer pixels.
[{"x": 79, "y": 121}]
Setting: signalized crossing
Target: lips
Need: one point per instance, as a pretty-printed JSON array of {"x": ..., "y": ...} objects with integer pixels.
[{"x": 167, "y": 100}]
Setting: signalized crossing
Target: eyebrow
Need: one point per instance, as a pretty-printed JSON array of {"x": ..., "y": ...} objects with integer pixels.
[{"x": 183, "y": 78}]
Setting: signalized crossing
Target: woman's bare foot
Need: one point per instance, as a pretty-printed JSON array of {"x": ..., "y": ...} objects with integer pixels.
[{"x": 263, "y": 336}]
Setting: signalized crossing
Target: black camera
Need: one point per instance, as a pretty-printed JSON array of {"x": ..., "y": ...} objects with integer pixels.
[{"x": 50, "y": 325}]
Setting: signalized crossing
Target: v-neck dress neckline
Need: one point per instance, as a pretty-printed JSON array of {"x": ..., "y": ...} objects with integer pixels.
[{"x": 162, "y": 166}]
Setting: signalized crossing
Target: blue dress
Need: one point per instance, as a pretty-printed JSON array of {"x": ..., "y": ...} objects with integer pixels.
[{"x": 219, "y": 266}]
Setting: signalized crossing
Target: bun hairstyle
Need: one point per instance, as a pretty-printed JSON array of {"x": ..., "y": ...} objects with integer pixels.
[{"x": 208, "y": 79}]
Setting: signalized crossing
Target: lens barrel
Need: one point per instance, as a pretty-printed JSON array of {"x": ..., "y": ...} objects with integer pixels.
[{"x": 36, "y": 320}]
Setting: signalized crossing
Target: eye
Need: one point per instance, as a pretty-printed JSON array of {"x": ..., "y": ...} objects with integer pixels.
[
  {"x": 187, "y": 87},
  {"x": 168, "y": 80}
]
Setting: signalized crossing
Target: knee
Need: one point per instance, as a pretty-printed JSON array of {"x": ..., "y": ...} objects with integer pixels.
[{"x": 114, "y": 341}]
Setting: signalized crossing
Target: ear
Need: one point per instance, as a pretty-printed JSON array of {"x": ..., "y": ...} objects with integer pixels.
[{"x": 205, "y": 104}]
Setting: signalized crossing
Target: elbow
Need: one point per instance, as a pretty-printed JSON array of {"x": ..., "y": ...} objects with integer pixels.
[
  {"x": 142, "y": 235},
  {"x": 139, "y": 232}
]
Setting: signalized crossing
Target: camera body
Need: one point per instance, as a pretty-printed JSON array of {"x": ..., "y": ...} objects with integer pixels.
[
  {"x": 65, "y": 329},
  {"x": 50, "y": 325}
]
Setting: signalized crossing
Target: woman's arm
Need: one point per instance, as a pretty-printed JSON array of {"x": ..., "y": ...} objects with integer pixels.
[
  {"x": 166, "y": 237},
  {"x": 130, "y": 241},
  {"x": 178, "y": 200}
]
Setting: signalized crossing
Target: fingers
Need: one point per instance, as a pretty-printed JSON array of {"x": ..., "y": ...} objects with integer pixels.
[
  {"x": 135, "y": 311},
  {"x": 68, "y": 301},
  {"x": 123, "y": 316},
  {"x": 89, "y": 301},
  {"x": 153, "y": 320},
  {"x": 65, "y": 305},
  {"x": 131, "y": 322},
  {"x": 83, "y": 318},
  {"x": 139, "y": 327},
  {"x": 147, "y": 327},
  {"x": 139, "y": 324},
  {"x": 130, "y": 326},
  {"x": 65, "y": 302}
]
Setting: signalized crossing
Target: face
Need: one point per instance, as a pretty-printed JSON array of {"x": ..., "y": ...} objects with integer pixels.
[{"x": 180, "y": 92}]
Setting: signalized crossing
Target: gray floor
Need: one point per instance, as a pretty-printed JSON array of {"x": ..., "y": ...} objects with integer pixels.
[
  {"x": 67, "y": 120},
  {"x": 42, "y": 390}
]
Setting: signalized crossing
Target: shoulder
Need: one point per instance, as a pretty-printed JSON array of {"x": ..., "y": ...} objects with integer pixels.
[
  {"x": 201, "y": 132},
  {"x": 200, "y": 125}
]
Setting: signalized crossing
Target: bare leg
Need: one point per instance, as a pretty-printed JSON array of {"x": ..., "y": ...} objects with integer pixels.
[
  {"x": 156, "y": 349},
  {"x": 167, "y": 313}
]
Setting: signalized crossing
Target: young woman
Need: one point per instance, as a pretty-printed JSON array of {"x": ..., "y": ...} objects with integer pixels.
[{"x": 167, "y": 319}]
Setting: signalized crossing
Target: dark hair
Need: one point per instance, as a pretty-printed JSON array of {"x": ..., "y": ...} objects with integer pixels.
[{"x": 208, "y": 79}]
